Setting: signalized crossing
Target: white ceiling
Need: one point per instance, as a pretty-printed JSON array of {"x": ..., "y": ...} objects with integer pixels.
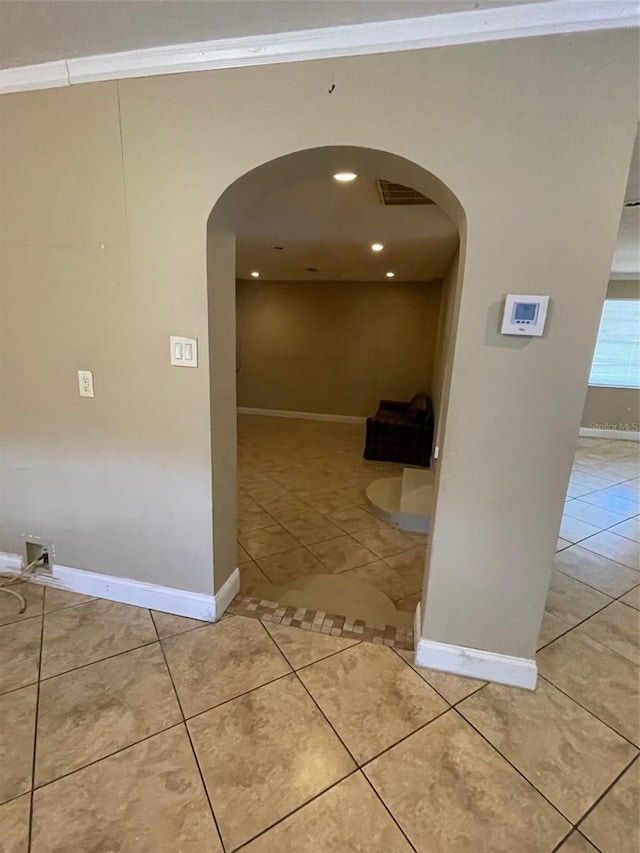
[{"x": 35, "y": 31}]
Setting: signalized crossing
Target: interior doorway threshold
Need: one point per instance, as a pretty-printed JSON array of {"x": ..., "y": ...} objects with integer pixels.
[{"x": 322, "y": 622}]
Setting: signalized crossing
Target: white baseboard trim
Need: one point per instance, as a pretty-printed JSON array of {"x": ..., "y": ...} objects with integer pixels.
[
  {"x": 477, "y": 663},
  {"x": 181, "y": 602},
  {"x": 307, "y": 416},
  {"x": 227, "y": 592},
  {"x": 10, "y": 563},
  {"x": 623, "y": 434}
]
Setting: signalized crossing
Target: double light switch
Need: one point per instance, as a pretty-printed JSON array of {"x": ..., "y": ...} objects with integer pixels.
[{"x": 184, "y": 351}]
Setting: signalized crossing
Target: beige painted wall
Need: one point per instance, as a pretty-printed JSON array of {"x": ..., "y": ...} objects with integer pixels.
[
  {"x": 614, "y": 408},
  {"x": 123, "y": 482},
  {"x": 334, "y": 347}
]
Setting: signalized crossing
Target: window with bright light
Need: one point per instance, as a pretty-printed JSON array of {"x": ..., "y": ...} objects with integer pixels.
[{"x": 616, "y": 362}]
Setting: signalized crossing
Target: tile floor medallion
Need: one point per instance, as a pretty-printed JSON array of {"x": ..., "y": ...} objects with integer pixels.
[{"x": 299, "y": 731}]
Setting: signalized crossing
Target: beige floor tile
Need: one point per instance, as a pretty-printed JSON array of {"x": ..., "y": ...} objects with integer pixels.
[
  {"x": 617, "y": 548},
  {"x": 599, "y": 572},
  {"x": 452, "y": 688},
  {"x": 328, "y": 502},
  {"x": 371, "y": 698},
  {"x": 218, "y": 662},
  {"x": 385, "y": 542},
  {"x": 19, "y": 653},
  {"x": 312, "y": 529},
  {"x": 342, "y": 553},
  {"x": 451, "y": 792},
  {"x": 618, "y": 628},
  {"x": 385, "y": 578},
  {"x": 302, "y": 647},
  {"x": 409, "y": 603},
  {"x": 575, "y": 490},
  {"x": 89, "y": 632},
  {"x": 410, "y": 563},
  {"x": 630, "y": 529},
  {"x": 353, "y": 519},
  {"x": 57, "y": 599},
  {"x": 253, "y": 518},
  {"x": 348, "y": 817},
  {"x": 565, "y": 752},
  {"x": 613, "y": 825},
  {"x": 551, "y": 629},
  {"x": 18, "y": 715},
  {"x": 283, "y": 568},
  {"x": 356, "y": 495},
  {"x": 613, "y": 503},
  {"x": 571, "y": 600},
  {"x": 89, "y": 713},
  {"x": 590, "y": 514},
  {"x": 592, "y": 481},
  {"x": 267, "y": 541},
  {"x": 168, "y": 624},
  {"x": 577, "y": 843},
  {"x": 602, "y": 681},
  {"x": 287, "y": 508},
  {"x": 243, "y": 557},
  {"x": 574, "y": 530},
  {"x": 276, "y": 738},
  {"x": 251, "y": 577},
  {"x": 9, "y": 604},
  {"x": 14, "y": 825},
  {"x": 148, "y": 797},
  {"x": 632, "y": 598}
]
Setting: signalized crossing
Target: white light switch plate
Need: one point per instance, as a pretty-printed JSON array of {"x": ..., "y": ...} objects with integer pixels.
[
  {"x": 184, "y": 351},
  {"x": 85, "y": 383}
]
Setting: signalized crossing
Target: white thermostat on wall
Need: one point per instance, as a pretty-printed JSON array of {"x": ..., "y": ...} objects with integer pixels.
[{"x": 524, "y": 315}]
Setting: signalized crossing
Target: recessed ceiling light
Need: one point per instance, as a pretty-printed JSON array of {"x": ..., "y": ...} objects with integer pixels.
[
  {"x": 390, "y": 274},
  {"x": 377, "y": 247},
  {"x": 344, "y": 177},
  {"x": 255, "y": 275}
]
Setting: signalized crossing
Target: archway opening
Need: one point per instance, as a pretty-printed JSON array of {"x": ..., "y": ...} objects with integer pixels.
[{"x": 311, "y": 326}]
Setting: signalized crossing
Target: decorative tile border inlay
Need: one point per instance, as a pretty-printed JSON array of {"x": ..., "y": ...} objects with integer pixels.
[{"x": 322, "y": 623}]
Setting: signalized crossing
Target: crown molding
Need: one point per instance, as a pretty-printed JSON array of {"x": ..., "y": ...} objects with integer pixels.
[{"x": 495, "y": 24}]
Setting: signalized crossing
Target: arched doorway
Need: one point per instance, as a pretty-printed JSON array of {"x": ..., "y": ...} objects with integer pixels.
[{"x": 243, "y": 196}]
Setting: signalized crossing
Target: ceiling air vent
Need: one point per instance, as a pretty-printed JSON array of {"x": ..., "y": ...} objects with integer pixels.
[{"x": 391, "y": 194}]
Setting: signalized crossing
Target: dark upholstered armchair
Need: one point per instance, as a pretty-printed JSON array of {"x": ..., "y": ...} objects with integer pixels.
[{"x": 401, "y": 432}]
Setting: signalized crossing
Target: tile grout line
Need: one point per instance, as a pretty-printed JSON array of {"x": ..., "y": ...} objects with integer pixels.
[
  {"x": 604, "y": 722},
  {"x": 595, "y": 588},
  {"x": 188, "y": 733},
  {"x": 435, "y": 689},
  {"x": 108, "y": 755},
  {"x": 578, "y": 624},
  {"x": 99, "y": 660},
  {"x": 604, "y": 794},
  {"x": 511, "y": 764},
  {"x": 300, "y": 681},
  {"x": 358, "y": 767},
  {"x": 35, "y": 732},
  {"x": 299, "y": 808},
  {"x": 388, "y": 810}
]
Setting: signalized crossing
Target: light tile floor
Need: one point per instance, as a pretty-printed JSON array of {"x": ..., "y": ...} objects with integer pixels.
[{"x": 133, "y": 731}]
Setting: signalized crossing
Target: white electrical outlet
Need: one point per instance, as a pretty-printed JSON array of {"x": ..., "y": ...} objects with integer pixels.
[{"x": 85, "y": 383}]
